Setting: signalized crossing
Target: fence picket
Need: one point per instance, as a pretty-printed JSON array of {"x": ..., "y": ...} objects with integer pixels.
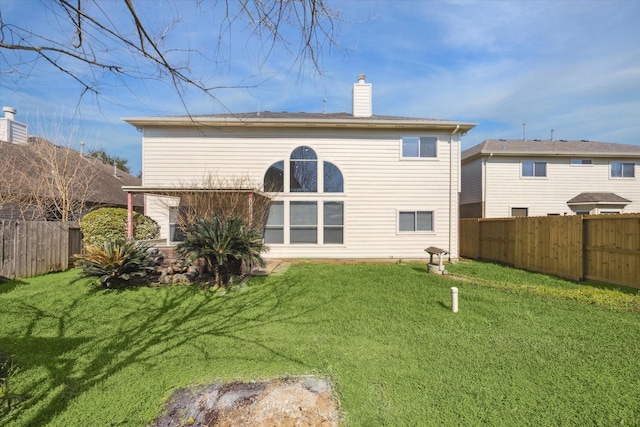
[
  {"x": 604, "y": 248},
  {"x": 29, "y": 248}
]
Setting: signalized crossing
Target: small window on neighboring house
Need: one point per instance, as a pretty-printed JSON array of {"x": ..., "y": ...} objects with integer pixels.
[
  {"x": 175, "y": 231},
  {"x": 333, "y": 222},
  {"x": 534, "y": 169},
  {"x": 415, "y": 221},
  {"x": 622, "y": 170},
  {"x": 519, "y": 211},
  {"x": 423, "y": 146},
  {"x": 580, "y": 162},
  {"x": 274, "y": 230}
]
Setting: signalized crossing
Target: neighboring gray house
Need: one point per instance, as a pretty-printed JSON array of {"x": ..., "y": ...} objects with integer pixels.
[
  {"x": 27, "y": 186},
  {"x": 346, "y": 185},
  {"x": 503, "y": 178}
]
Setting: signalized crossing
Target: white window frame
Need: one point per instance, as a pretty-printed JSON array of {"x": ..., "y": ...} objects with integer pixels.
[
  {"x": 518, "y": 207},
  {"x": 582, "y": 164},
  {"x": 415, "y": 219},
  {"x": 418, "y": 157},
  {"x": 622, "y": 176},
  {"x": 534, "y": 176},
  {"x": 279, "y": 226}
]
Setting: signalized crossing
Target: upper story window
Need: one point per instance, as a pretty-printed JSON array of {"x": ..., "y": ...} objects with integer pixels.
[
  {"x": 419, "y": 146},
  {"x": 622, "y": 170},
  {"x": 274, "y": 178},
  {"x": 333, "y": 182},
  {"x": 304, "y": 171},
  {"x": 580, "y": 162},
  {"x": 535, "y": 169}
]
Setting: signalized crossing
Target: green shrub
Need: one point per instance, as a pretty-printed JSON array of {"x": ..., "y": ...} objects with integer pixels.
[
  {"x": 110, "y": 224},
  {"x": 225, "y": 244},
  {"x": 116, "y": 263}
]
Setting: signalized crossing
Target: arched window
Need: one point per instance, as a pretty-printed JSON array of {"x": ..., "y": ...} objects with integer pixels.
[
  {"x": 274, "y": 178},
  {"x": 303, "y": 171},
  {"x": 304, "y": 168},
  {"x": 333, "y": 182}
]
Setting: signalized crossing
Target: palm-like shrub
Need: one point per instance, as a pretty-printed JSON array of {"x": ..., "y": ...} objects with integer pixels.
[
  {"x": 225, "y": 244},
  {"x": 116, "y": 263}
]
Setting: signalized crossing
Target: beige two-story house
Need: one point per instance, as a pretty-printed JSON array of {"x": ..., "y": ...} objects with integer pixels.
[
  {"x": 343, "y": 185},
  {"x": 504, "y": 178}
]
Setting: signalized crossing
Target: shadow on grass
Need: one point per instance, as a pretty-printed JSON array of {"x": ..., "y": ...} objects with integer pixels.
[
  {"x": 7, "y": 285},
  {"x": 155, "y": 325}
]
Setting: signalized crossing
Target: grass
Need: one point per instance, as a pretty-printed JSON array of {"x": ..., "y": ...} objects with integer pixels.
[{"x": 384, "y": 334}]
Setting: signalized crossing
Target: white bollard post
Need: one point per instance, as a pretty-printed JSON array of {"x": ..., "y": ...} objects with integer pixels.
[{"x": 454, "y": 299}]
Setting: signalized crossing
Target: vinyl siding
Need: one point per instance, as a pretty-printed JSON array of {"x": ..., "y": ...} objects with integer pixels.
[
  {"x": 471, "y": 182},
  {"x": 506, "y": 188},
  {"x": 377, "y": 182}
]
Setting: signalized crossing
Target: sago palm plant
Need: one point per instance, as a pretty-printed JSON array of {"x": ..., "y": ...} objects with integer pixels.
[
  {"x": 225, "y": 244},
  {"x": 116, "y": 263}
]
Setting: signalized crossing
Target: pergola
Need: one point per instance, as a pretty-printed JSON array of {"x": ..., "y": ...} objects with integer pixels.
[{"x": 181, "y": 192}]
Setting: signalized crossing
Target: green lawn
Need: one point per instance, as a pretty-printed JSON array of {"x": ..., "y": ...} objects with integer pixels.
[{"x": 384, "y": 335}]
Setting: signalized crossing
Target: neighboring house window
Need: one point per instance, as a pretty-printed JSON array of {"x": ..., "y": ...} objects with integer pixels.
[
  {"x": 519, "y": 211},
  {"x": 537, "y": 169},
  {"x": 580, "y": 162},
  {"x": 333, "y": 222},
  {"x": 175, "y": 232},
  {"x": 423, "y": 146},
  {"x": 274, "y": 178},
  {"x": 622, "y": 170},
  {"x": 333, "y": 182},
  {"x": 303, "y": 222},
  {"x": 274, "y": 230},
  {"x": 303, "y": 171},
  {"x": 415, "y": 221}
]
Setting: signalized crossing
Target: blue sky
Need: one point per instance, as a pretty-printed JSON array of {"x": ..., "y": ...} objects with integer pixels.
[{"x": 572, "y": 66}]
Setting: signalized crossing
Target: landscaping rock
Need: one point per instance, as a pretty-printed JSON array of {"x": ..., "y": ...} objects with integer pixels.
[{"x": 301, "y": 402}]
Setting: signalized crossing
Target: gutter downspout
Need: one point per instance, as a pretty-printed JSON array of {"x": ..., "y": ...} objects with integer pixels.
[{"x": 451, "y": 187}]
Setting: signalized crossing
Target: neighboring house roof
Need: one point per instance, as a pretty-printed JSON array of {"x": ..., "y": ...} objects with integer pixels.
[
  {"x": 511, "y": 147},
  {"x": 107, "y": 185},
  {"x": 307, "y": 120},
  {"x": 591, "y": 198}
]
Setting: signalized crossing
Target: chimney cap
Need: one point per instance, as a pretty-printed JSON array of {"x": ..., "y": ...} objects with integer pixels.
[{"x": 9, "y": 113}]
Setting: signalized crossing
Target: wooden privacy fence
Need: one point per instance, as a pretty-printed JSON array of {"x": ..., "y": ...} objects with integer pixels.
[
  {"x": 604, "y": 248},
  {"x": 30, "y": 248}
]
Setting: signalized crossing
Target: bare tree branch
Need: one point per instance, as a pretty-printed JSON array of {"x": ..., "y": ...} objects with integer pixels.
[{"x": 89, "y": 43}]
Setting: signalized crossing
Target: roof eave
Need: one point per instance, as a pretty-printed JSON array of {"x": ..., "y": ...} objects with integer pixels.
[{"x": 143, "y": 122}]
